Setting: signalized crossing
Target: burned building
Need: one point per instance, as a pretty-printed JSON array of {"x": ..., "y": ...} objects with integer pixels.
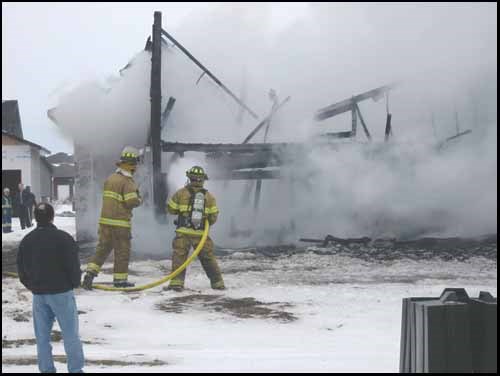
[
  {"x": 240, "y": 160},
  {"x": 236, "y": 160},
  {"x": 63, "y": 180},
  {"x": 23, "y": 161}
]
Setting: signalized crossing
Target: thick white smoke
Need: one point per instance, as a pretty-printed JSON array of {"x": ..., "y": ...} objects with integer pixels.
[
  {"x": 444, "y": 60},
  {"x": 442, "y": 56},
  {"x": 105, "y": 116}
]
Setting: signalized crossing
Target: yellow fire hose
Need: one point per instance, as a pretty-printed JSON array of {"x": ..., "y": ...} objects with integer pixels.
[
  {"x": 168, "y": 277},
  {"x": 158, "y": 282},
  {"x": 11, "y": 274}
]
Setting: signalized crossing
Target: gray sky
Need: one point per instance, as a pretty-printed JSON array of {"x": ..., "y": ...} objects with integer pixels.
[{"x": 48, "y": 45}]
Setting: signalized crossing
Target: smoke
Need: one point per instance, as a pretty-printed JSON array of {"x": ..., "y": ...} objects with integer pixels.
[
  {"x": 105, "y": 115},
  {"x": 406, "y": 190},
  {"x": 442, "y": 57}
]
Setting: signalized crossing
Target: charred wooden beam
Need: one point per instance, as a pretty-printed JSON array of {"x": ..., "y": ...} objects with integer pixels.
[
  {"x": 367, "y": 133},
  {"x": 258, "y": 186},
  {"x": 177, "y": 147},
  {"x": 247, "y": 175},
  {"x": 164, "y": 116},
  {"x": 458, "y": 135},
  {"x": 354, "y": 120},
  {"x": 168, "y": 110},
  {"x": 443, "y": 143},
  {"x": 265, "y": 121},
  {"x": 256, "y": 129},
  {"x": 237, "y": 161},
  {"x": 202, "y": 67},
  {"x": 149, "y": 45},
  {"x": 347, "y": 104},
  {"x": 388, "y": 127},
  {"x": 332, "y": 239},
  {"x": 346, "y": 134},
  {"x": 155, "y": 130},
  {"x": 336, "y": 109}
]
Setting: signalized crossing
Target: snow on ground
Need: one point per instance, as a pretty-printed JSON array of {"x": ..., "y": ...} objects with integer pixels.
[
  {"x": 64, "y": 223},
  {"x": 299, "y": 313},
  {"x": 63, "y": 208}
]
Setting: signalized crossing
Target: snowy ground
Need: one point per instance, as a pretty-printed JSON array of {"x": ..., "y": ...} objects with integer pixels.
[
  {"x": 64, "y": 223},
  {"x": 300, "y": 313}
]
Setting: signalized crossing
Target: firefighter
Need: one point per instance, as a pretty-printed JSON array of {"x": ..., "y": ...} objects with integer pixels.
[
  {"x": 120, "y": 196},
  {"x": 192, "y": 204},
  {"x": 6, "y": 211}
]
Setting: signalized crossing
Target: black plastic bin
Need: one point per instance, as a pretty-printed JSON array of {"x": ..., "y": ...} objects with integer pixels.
[{"x": 452, "y": 333}]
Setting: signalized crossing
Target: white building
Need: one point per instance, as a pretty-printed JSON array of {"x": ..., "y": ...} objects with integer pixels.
[{"x": 23, "y": 161}]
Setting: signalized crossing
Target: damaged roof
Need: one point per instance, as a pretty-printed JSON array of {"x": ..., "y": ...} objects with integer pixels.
[{"x": 11, "y": 120}]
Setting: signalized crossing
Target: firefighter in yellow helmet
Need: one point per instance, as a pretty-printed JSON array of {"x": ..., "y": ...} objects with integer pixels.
[
  {"x": 120, "y": 196},
  {"x": 192, "y": 204}
]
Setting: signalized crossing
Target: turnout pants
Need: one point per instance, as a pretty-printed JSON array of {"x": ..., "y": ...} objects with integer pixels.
[
  {"x": 181, "y": 245},
  {"x": 112, "y": 238}
]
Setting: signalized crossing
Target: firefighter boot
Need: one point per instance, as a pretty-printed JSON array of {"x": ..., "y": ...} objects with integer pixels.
[
  {"x": 219, "y": 285},
  {"x": 87, "y": 280},
  {"x": 175, "y": 288},
  {"x": 122, "y": 283},
  {"x": 174, "y": 285}
]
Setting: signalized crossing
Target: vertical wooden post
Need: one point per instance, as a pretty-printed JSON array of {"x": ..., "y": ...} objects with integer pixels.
[
  {"x": 388, "y": 128},
  {"x": 155, "y": 94},
  {"x": 354, "y": 118},
  {"x": 258, "y": 188}
]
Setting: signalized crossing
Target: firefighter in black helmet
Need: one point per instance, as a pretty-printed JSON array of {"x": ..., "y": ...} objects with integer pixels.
[{"x": 192, "y": 204}]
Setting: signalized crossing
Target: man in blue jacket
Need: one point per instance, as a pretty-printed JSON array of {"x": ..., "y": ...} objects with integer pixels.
[{"x": 48, "y": 265}]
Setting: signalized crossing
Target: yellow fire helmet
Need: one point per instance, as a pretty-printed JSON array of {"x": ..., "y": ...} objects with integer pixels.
[
  {"x": 129, "y": 154},
  {"x": 197, "y": 173}
]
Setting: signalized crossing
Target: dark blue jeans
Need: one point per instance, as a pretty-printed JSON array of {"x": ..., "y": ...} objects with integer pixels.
[
  {"x": 24, "y": 216},
  {"x": 46, "y": 308}
]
